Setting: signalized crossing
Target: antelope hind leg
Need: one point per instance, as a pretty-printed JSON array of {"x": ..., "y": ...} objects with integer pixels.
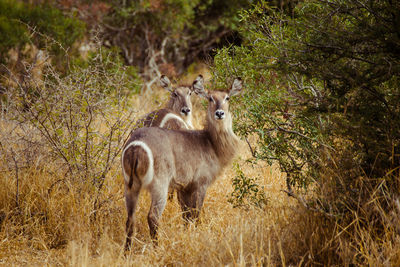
[
  {"x": 131, "y": 199},
  {"x": 158, "y": 202}
]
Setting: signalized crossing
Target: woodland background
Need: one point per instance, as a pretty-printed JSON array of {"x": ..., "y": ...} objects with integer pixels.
[{"x": 316, "y": 180}]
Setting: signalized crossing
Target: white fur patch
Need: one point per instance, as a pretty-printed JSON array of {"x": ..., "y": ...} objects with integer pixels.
[
  {"x": 189, "y": 125},
  {"x": 150, "y": 170},
  {"x": 171, "y": 116}
]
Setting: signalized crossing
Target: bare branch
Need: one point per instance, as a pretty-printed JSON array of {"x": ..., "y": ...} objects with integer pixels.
[
  {"x": 301, "y": 200},
  {"x": 253, "y": 152}
]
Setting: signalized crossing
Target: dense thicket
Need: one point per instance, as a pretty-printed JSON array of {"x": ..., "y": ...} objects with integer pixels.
[
  {"x": 156, "y": 36},
  {"x": 325, "y": 81},
  {"x": 323, "y": 101}
]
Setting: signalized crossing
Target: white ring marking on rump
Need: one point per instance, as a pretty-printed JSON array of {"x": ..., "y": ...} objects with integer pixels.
[{"x": 148, "y": 177}]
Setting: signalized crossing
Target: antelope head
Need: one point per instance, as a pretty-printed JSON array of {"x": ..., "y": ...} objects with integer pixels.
[
  {"x": 218, "y": 107},
  {"x": 180, "y": 101}
]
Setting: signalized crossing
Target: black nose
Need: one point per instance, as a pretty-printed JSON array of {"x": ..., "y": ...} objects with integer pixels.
[
  {"x": 185, "y": 110},
  {"x": 220, "y": 114}
]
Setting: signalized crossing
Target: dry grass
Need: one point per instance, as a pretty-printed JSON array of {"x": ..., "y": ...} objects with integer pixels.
[
  {"x": 55, "y": 222},
  {"x": 58, "y": 228}
]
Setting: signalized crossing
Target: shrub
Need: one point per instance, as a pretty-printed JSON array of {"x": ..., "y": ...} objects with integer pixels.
[
  {"x": 322, "y": 100},
  {"x": 246, "y": 191},
  {"x": 318, "y": 83},
  {"x": 60, "y": 140},
  {"x": 82, "y": 117}
]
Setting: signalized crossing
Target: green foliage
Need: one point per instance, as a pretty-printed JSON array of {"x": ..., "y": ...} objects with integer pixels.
[
  {"x": 246, "y": 191},
  {"x": 181, "y": 29},
  {"x": 322, "y": 99},
  {"x": 266, "y": 110},
  {"x": 12, "y": 33},
  {"x": 17, "y": 20},
  {"x": 320, "y": 81}
]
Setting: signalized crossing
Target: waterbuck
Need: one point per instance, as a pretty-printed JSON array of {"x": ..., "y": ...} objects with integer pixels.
[
  {"x": 178, "y": 112},
  {"x": 188, "y": 161}
]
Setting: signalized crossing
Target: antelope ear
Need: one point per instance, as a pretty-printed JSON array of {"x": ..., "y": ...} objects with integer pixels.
[
  {"x": 165, "y": 83},
  {"x": 236, "y": 87},
  {"x": 198, "y": 87}
]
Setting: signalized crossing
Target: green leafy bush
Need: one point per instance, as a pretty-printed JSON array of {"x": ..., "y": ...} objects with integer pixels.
[
  {"x": 246, "y": 191},
  {"x": 322, "y": 100},
  {"x": 316, "y": 83}
]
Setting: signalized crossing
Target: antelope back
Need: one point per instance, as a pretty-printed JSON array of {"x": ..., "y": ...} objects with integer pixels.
[{"x": 163, "y": 118}]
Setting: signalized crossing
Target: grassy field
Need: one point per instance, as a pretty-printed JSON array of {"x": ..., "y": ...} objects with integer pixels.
[
  {"x": 55, "y": 223},
  {"x": 48, "y": 218}
]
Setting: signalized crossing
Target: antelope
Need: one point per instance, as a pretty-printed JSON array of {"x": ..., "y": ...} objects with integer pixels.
[
  {"x": 157, "y": 159},
  {"x": 178, "y": 111}
]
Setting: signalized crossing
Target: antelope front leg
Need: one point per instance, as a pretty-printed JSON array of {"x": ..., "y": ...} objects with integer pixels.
[{"x": 191, "y": 201}]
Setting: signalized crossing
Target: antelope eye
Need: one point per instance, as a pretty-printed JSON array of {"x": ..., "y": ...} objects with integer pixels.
[
  {"x": 227, "y": 98},
  {"x": 174, "y": 94}
]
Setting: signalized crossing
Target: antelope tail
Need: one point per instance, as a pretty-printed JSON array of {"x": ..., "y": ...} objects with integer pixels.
[{"x": 137, "y": 164}]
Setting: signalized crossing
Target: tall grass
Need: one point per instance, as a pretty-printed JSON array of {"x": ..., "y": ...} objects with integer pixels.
[{"x": 54, "y": 223}]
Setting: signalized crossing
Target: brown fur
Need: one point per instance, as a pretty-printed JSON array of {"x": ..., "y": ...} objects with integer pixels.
[
  {"x": 131, "y": 164},
  {"x": 188, "y": 161}
]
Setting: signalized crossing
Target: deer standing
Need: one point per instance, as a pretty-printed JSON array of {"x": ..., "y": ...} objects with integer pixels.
[
  {"x": 188, "y": 161},
  {"x": 178, "y": 112}
]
